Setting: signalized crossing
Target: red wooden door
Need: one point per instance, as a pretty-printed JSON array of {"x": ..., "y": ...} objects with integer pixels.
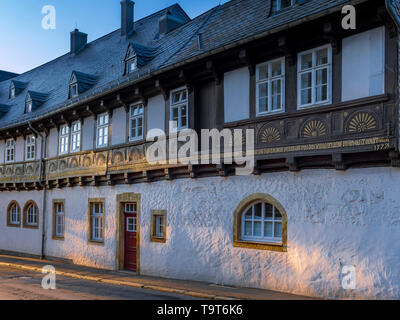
[{"x": 130, "y": 240}]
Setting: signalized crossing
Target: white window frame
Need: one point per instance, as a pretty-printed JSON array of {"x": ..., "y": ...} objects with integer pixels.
[
  {"x": 178, "y": 105},
  {"x": 131, "y": 65},
  {"x": 159, "y": 221},
  {"x": 29, "y": 104},
  {"x": 63, "y": 140},
  {"x": 30, "y": 148},
  {"x": 279, "y": 5},
  {"x": 10, "y": 151},
  {"x": 102, "y": 127},
  {"x": 273, "y": 220},
  {"x": 136, "y": 117},
  {"x": 32, "y": 216},
  {"x": 12, "y": 91},
  {"x": 313, "y": 70},
  {"x": 15, "y": 215},
  {"x": 76, "y": 129},
  {"x": 270, "y": 79},
  {"x": 74, "y": 87},
  {"x": 59, "y": 219},
  {"x": 97, "y": 221}
]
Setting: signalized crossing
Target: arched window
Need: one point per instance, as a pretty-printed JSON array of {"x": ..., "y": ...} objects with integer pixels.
[
  {"x": 31, "y": 215},
  {"x": 13, "y": 214},
  {"x": 260, "y": 222}
]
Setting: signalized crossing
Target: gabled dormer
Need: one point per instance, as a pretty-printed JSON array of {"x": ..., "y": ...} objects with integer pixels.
[
  {"x": 34, "y": 100},
  {"x": 4, "y": 108},
  {"x": 137, "y": 56},
  {"x": 16, "y": 87},
  {"x": 79, "y": 83}
]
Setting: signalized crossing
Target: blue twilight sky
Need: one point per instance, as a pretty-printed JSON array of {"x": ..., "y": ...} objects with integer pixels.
[{"x": 25, "y": 45}]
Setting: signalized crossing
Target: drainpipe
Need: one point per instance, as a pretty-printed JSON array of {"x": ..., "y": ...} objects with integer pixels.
[{"x": 42, "y": 148}]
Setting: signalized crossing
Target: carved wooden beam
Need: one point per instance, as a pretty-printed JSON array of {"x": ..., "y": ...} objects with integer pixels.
[
  {"x": 192, "y": 171},
  {"x": 159, "y": 86},
  {"x": 139, "y": 94},
  {"x": 211, "y": 68},
  {"x": 122, "y": 103},
  {"x": 186, "y": 80},
  {"x": 338, "y": 161},
  {"x": 292, "y": 164},
  {"x": 222, "y": 170},
  {"x": 285, "y": 47},
  {"x": 168, "y": 174},
  {"x": 245, "y": 58},
  {"x": 331, "y": 35}
]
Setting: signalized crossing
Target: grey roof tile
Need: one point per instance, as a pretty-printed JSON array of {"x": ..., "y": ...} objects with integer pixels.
[{"x": 104, "y": 57}]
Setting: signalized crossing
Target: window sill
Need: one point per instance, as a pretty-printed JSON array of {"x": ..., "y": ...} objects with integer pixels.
[
  {"x": 271, "y": 113},
  {"x": 58, "y": 238},
  {"x": 159, "y": 240},
  {"x": 260, "y": 246},
  {"x": 315, "y": 105},
  {"x": 96, "y": 243},
  {"x": 27, "y": 226},
  {"x": 12, "y": 225}
]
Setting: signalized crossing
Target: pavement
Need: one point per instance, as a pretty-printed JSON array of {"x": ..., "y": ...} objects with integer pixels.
[{"x": 195, "y": 289}]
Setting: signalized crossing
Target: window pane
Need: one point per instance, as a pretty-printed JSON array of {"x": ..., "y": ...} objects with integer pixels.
[
  {"x": 322, "y": 57},
  {"x": 306, "y": 61},
  {"x": 268, "y": 229},
  {"x": 183, "y": 117},
  {"x": 247, "y": 228},
  {"x": 276, "y": 68},
  {"x": 263, "y": 72},
  {"x": 322, "y": 93},
  {"x": 278, "y": 230},
  {"x": 257, "y": 229},
  {"x": 258, "y": 211},
  {"x": 278, "y": 215},
  {"x": 263, "y": 97},
  {"x": 276, "y": 94},
  {"x": 268, "y": 211},
  {"x": 249, "y": 214},
  {"x": 285, "y": 3},
  {"x": 322, "y": 76}
]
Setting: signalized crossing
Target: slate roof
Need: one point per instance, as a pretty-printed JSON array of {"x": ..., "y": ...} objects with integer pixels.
[
  {"x": 221, "y": 27},
  {"x": 5, "y": 75}
]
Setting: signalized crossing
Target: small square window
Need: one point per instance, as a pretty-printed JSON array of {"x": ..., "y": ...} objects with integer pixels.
[{"x": 158, "y": 226}]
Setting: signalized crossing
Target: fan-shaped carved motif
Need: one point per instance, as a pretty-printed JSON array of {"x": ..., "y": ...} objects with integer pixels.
[
  {"x": 270, "y": 134},
  {"x": 314, "y": 129},
  {"x": 362, "y": 122}
]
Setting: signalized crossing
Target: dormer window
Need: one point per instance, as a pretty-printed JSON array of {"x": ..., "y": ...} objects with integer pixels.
[
  {"x": 282, "y": 4},
  {"x": 74, "y": 90},
  {"x": 137, "y": 56},
  {"x": 34, "y": 100},
  {"x": 12, "y": 91},
  {"x": 80, "y": 82},
  {"x": 16, "y": 87},
  {"x": 132, "y": 65},
  {"x": 28, "y": 105}
]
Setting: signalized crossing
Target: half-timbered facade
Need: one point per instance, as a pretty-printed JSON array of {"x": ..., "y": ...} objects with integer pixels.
[{"x": 322, "y": 101}]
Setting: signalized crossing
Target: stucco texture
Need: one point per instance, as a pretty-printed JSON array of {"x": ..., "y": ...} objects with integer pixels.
[{"x": 334, "y": 219}]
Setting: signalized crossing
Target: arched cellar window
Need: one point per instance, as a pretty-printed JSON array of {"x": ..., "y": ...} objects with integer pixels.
[
  {"x": 260, "y": 222},
  {"x": 31, "y": 215},
  {"x": 13, "y": 214}
]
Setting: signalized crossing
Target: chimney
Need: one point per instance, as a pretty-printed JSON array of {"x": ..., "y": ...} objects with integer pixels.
[
  {"x": 127, "y": 17},
  {"x": 168, "y": 22},
  {"x": 78, "y": 41}
]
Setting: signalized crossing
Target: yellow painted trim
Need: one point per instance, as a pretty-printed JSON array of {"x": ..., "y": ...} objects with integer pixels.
[
  {"x": 122, "y": 199},
  {"x": 237, "y": 224},
  {"x": 91, "y": 201},
  {"x": 9, "y": 224},
  {"x": 153, "y": 238},
  {"x": 54, "y": 237},
  {"x": 25, "y": 225}
]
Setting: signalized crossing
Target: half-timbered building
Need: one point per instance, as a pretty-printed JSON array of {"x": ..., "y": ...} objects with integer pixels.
[{"x": 321, "y": 99}]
